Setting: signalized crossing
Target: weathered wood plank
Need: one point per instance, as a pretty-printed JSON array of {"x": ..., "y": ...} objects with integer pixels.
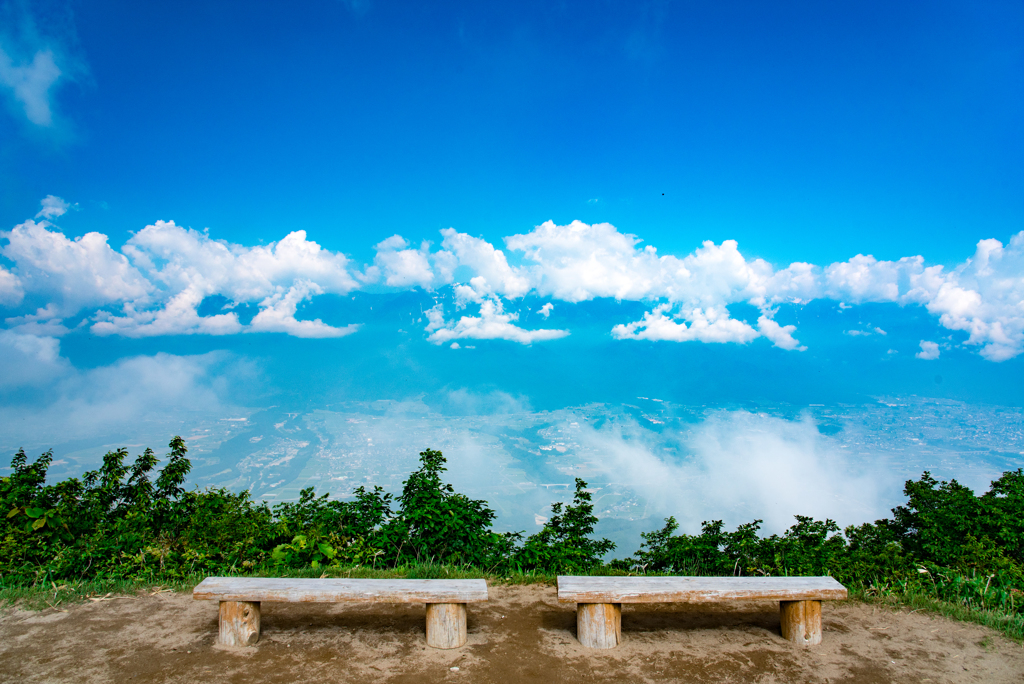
[
  {"x": 340, "y": 590},
  {"x": 696, "y": 589},
  {"x": 446, "y": 625},
  {"x": 599, "y": 625}
]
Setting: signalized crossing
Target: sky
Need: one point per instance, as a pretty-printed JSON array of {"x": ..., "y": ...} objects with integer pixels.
[{"x": 221, "y": 207}]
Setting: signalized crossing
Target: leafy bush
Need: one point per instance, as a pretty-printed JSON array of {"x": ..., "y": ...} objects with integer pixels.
[
  {"x": 564, "y": 543},
  {"x": 436, "y": 524},
  {"x": 126, "y": 521}
]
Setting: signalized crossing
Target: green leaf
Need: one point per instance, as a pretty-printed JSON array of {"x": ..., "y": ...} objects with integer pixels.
[
  {"x": 34, "y": 512},
  {"x": 14, "y": 512},
  {"x": 38, "y": 523}
]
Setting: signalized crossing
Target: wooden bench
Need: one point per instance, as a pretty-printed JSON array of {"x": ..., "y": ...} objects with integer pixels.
[
  {"x": 240, "y": 599},
  {"x": 599, "y": 600}
]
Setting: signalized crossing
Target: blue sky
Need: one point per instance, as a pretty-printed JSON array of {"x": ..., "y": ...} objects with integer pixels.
[{"x": 548, "y": 204}]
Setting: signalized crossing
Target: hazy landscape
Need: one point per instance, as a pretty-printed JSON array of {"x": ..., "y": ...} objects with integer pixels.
[
  {"x": 722, "y": 293},
  {"x": 644, "y": 461}
]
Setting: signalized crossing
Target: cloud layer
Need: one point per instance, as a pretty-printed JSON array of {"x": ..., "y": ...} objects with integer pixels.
[
  {"x": 740, "y": 466},
  {"x": 157, "y": 281}
]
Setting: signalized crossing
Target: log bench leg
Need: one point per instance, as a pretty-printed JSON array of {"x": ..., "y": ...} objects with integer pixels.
[
  {"x": 446, "y": 625},
  {"x": 239, "y": 623},
  {"x": 801, "y": 621},
  {"x": 599, "y": 625}
]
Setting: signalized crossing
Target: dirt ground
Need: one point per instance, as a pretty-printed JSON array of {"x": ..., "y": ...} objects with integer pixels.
[{"x": 521, "y": 635}]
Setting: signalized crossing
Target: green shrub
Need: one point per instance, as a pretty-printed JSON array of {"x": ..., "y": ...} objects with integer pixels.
[
  {"x": 129, "y": 522},
  {"x": 564, "y": 543}
]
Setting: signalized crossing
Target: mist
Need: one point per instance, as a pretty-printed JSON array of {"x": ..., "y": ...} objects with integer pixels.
[{"x": 738, "y": 466}]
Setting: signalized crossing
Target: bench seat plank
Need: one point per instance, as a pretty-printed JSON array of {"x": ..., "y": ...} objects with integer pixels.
[
  {"x": 340, "y": 590},
  {"x": 696, "y": 589}
]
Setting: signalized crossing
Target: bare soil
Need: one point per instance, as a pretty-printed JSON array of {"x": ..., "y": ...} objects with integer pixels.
[{"x": 521, "y": 635}]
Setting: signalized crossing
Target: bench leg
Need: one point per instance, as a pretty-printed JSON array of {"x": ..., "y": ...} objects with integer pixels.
[
  {"x": 599, "y": 625},
  {"x": 801, "y": 621},
  {"x": 446, "y": 625},
  {"x": 239, "y": 623}
]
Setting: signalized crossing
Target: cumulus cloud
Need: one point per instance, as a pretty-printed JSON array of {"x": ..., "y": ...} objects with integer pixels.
[
  {"x": 403, "y": 267},
  {"x": 706, "y": 325},
  {"x": 492, "y": 324},
  {"x": 277, "y": 314},
  {"x": 494, "y": 275},
  {"x": 165, "y": 272},
  {"x": 780, "y": 335},
  {"x": 11, "y": 291},
  {"x": 579, "y": 262},
  {"x": 929, "y": 351},
  {"x": 179, "y": 258},
  {"x": 984, "y": 296},
  {"x": 77, "y": 273},
  {"x": 162, "y": 277},
  {"x": 188, "y": 266},
  {"x": 178, "y": 316}
]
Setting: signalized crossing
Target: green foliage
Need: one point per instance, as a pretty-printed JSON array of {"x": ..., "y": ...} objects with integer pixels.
[
  {"x": 435, "y": 523},
  {"x": 128, "y": 522},
  {"x": 810, "y": 547},
  {"x": 564, "y": 543}
]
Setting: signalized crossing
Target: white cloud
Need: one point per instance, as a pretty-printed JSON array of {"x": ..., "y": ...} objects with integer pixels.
[
  {"x": 492, "y": 324},
  {"x": 169, "y": 271},
  {"x": 53, "y": 207},
  {"x": 141, "y": 395},
  {"x": 45, "y": 322},
  {"x": 984, "y": 296},
  {"x": 929, "y": 351},
  {"x": 435, "y": 317},
  {"x": 179, "y": 316},
  {"x": 741, "y": 466},
  {"x": 578, "y": 262},
  {"x": 11, "y": 291},
  {"x": 494, "y": 275},
  {"x": 179, "y": 258},
  {"x": 780, "y": 335},
  {"x": 403, "y": 267},
  {"x": 278, "y": 315},
  {"x": 865, "y": 333},
  {"x": 191, "y": 266},
  {"x": 28, "y": 359},
  {"x": 706, "y": 325},
  {"x": 30, "y": 84},
  {"x": 78, "y": 273}
]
